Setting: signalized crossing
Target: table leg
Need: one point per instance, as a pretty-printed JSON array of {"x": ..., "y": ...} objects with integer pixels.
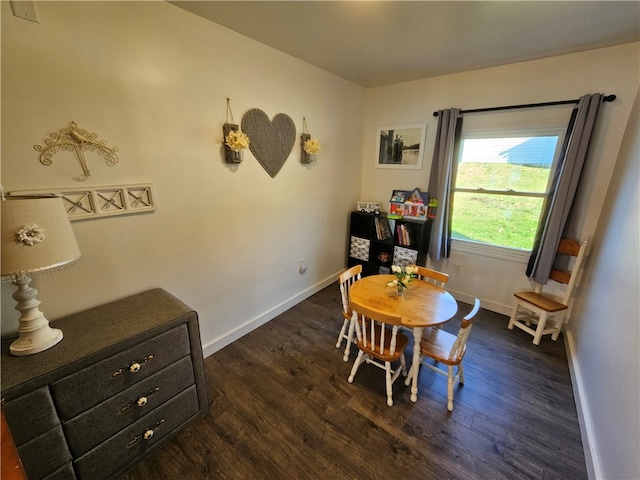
[{"x": 415, "y": 364}]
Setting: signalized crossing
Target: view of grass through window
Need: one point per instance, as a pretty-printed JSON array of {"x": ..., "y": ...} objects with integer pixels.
[{"x": 500, "y": 188}]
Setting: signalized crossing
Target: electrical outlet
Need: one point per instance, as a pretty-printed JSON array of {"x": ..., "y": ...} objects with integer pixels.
[
  {"x": 302, "y": 266},
  {"x": 456, "y": 268}
]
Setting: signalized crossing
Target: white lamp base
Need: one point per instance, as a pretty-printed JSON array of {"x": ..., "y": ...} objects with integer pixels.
[{"x": 35, "y": 333}]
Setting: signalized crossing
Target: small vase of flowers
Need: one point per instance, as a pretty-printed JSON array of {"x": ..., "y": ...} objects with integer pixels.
[{"x": 404, "y": 276}]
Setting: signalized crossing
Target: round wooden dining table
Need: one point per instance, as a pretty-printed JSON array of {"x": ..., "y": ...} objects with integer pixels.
[{"x": 422, "y": 305}]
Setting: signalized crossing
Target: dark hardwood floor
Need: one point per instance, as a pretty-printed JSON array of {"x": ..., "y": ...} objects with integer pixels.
[{"x": 282, "y": 408}]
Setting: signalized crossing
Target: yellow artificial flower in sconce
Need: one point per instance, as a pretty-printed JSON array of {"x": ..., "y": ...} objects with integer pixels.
[
  {"x": 312, "y": 146},
  {"x": 236, "y": 140}
]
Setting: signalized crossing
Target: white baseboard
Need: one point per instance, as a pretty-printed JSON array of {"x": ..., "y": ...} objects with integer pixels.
[
  {"x": 230, "y": 337},
  {"x": 491, "y": 306},
  {"x": 583, "y": 411}
]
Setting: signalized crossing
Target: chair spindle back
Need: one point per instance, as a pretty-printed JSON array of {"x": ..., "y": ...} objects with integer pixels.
[
  {"x": 372, "y": 331},
  {"x": 432, "y": 276},
  {"x": 346, "y": 279},
  {"x": 460, "y": 345}
]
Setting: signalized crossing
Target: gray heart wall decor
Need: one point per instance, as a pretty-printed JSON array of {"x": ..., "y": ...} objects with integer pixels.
[{"x": 270, "y": 141}]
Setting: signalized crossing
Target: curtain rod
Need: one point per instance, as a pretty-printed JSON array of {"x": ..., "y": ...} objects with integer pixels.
[{"x": 608, "y": 98}]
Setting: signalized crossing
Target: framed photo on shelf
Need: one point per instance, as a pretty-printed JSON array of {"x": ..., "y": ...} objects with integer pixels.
[{"x": 401, "y": 146}]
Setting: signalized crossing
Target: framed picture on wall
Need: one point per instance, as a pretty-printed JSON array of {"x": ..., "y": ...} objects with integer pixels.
[{"x": 400, "y": 146}]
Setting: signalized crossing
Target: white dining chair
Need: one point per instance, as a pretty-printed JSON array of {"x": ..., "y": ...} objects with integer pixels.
[
  {"x": 346, "y": 279},
  {"x": 379, "y": 343},
  {"x": 447, "y": 349}
]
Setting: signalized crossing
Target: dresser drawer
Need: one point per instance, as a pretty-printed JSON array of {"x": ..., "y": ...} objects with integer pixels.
[
  {"x": 82, "y": 390},
  {"x": 64, "y": 473},
  {"x": 109, "y": 417},
  {"x": 44, "y": 454},
  {"x": 124, "y": 448},
  {"x": 31, "y": 415}
]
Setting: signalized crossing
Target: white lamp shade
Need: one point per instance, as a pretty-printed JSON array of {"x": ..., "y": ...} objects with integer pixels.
[{"x": 36, "y": 236}]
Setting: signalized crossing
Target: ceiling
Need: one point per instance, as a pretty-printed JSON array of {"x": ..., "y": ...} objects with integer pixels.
[{"x": 375, "y": 43}]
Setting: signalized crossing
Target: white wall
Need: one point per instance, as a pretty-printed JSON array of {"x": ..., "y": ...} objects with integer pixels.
[
  {"x": 610, "y": 70},
  {"x": 153, "y": 80},
  {"x": 605, "y": 337}
]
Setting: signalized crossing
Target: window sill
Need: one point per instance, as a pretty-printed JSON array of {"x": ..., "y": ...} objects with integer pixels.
[{"x": 492, "y": 251}]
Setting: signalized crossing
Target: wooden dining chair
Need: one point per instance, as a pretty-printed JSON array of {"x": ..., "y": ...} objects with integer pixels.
[
  {"x": 345, "y": 280},
  {"x": 432, "y": 276},
  {"x": 379, "y": 343},
  {"x": 448, "y": 349},
  {"x": 537, "y": 308}
]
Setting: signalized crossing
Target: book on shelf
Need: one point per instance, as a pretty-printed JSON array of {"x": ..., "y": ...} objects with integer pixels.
[
  {"x": 404, "y": 235},
  {"x": 383, "y": 231}
]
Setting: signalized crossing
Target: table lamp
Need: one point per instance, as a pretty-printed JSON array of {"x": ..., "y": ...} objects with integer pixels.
[{"x": 36, "y": 238}]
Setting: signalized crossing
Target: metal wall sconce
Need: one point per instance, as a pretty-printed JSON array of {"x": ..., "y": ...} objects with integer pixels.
[
  {"x": 230, "y": 155},
  {"x": 234, "y": 140},
  {"x": 310, "y": 147},
  {"x": 305, "y": 157}
]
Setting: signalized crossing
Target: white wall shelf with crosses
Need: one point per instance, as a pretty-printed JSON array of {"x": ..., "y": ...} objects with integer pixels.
[{"x": 97, "y": 202}]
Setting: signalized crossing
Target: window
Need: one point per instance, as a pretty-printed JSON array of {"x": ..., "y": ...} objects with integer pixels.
[{"x": 501, "y": 182}]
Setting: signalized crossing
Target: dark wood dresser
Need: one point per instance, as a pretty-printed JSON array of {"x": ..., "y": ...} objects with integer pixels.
[{"x": 125, "y": 379}]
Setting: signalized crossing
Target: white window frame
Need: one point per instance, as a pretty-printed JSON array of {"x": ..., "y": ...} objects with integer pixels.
[
  {"x": 498, "y": 251},
  {"x": 511, "y": 254}
]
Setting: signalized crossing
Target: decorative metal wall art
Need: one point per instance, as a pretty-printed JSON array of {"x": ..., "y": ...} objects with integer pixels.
[
  {"x": 271, "y": 140},
  {"x": 98, "y": 202},
  {"x": 78, "y": 140}
]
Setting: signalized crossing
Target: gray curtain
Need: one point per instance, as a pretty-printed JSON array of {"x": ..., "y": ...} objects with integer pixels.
[
  {"x": 566, "y": 177},
  {"x": 443, "y": 171}
]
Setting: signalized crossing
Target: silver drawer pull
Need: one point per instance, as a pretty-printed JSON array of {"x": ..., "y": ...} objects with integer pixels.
[
  {"x": 147, "y": 435},
  {"x": 133, "y": 366},
  {"x": 140, "y": 401}
]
